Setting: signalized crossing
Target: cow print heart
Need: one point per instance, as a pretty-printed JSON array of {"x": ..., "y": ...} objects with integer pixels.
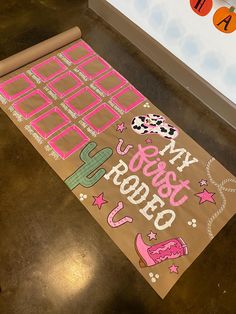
[{"x": 153, "y": 124}]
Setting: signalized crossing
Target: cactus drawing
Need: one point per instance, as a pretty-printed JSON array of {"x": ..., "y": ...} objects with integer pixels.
[{"x": 83, "y": 175}]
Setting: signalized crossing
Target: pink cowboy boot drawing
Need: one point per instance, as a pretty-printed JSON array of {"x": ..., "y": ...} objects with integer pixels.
[{"x": 151, "y": 255}]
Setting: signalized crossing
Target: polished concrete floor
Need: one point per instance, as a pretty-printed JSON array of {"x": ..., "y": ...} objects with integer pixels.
[{"x": 47, "y": 237}]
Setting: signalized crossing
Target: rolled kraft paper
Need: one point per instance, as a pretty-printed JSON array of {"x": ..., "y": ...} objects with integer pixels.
[{"x": 37, "y": 51}]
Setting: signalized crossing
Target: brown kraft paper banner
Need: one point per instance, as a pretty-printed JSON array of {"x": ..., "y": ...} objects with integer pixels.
[{"x": 158, "y": 195}]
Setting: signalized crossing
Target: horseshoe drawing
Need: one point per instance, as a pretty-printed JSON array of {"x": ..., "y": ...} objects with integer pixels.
[
  {"x": 112, "y": 215},
  {"x": 125, "y": 151}
]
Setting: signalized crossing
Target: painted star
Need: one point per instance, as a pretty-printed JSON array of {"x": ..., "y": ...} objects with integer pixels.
[
  {"x": 203, "y": 182},
  {"x": 205, "y": 196},
  {"x": 99, "y": 200},
  {"x": 148, "y": 140},
  {"x": 173, "y": 269},
  {"x": 121, "y": 127},
  {"x": 152, "y": 235}
]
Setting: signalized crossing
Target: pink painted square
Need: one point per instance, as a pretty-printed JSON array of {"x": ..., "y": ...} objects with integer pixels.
[
  {"x": 50, "y": 122},
  {"x": 110, "y": 82},
  {"x": 32, "y": 103},
  {"x": 16, "y": 86},
  {"x": 48, "y": 69},
  {"x": 128, "y": 98},
  {"x": 78, "y": 52},
  {"x": 93, "y": 67},
  {"x": 68, "y": 141},
  {"x": 82, "y": 101},
  {"x": 101, "y": 118},
  {"x": 65, "y": 84}
]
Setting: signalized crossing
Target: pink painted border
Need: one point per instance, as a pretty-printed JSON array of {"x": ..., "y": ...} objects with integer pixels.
[
  {"x": 53, "y": 141},
  {"x": 36, "y": 68},
  {"x": 13, "y": 79},
  {"x": 81, "y": 91},
  {"x": 46, "y": 114},
  {"x": 47, "y": 102},
  {"x": 131, "y": 106},
  {"x": 116, "y": 116},
  {"x": 80, "y": 44},
  {"x": 98, "y": 82},
  {"x": 103, "y": 62},
  {"x": 68, "y": 73}
]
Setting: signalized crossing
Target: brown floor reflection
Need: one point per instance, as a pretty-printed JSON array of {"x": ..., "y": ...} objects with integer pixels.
[{"x": 67, "y": 272}]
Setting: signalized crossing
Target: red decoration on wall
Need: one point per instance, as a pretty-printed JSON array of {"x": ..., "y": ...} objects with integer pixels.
[
  {"x": 224, "y": 19},
  {"x": 201, "y": 7}
]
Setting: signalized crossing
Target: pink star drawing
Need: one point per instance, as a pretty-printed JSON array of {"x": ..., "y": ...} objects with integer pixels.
[
  {"x": 99, "y": 200},
  {"x": 205, "y": 196},
  {"x": 152, "y": 235},
  {"x": 121, "y": 127},
  {"x": 203, "y": 182},
  {"x": 173, "y": 269},
  {"x": 148, "y": 140}
]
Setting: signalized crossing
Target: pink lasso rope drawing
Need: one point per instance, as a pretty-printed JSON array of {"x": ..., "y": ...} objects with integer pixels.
[{"x": 221, "y": 188}]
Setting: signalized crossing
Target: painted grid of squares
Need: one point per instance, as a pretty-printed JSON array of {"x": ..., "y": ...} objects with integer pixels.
[
  {"x": 90, "y": 110},
  {"x": 14, "y": 81},
  {"x": 38, "y": 67},
  {"x": 54, "y": 111},
  {"x": 18, "y": 104}
]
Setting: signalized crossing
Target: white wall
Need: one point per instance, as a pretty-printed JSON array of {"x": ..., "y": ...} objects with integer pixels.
[{"x": 192, "y": 38}]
